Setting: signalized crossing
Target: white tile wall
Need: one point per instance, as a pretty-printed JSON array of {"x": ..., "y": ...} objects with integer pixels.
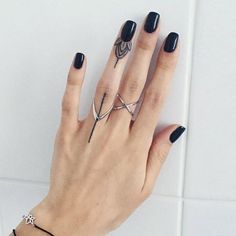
[
  {"x": 196, "y": 191},
  {"x": 152, "y": 217},
  {"x": 209, "y": 218},
  {"x": 211, "y": 153}
]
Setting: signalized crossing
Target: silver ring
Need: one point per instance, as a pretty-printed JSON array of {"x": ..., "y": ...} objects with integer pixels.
[
  {"x": 100, "y": 117},
  {"x": 125, "y": 105}
]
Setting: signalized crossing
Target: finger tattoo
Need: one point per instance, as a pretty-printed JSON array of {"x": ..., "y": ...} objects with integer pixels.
[{"x": 123, "y": 44}]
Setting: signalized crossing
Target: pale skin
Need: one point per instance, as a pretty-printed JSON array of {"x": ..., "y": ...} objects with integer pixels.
[{"x": 95, "y": 186}]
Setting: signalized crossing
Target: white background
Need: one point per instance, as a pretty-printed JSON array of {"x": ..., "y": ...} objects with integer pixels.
[{"x": 196, "y": 191}]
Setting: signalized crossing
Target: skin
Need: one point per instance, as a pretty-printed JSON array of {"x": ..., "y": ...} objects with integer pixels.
[{"x": 95, "y": 186}]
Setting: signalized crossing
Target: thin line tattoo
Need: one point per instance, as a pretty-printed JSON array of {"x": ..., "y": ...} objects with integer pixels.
[
  {"x": 122, "y": 49},
  {"x": 97, "y": 116}
]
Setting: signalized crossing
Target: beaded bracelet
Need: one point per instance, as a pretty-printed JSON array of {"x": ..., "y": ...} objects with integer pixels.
[{"x": 29, "y": 219}]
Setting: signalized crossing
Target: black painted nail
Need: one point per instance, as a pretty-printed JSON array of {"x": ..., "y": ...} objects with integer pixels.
[
  {"x": 171, "y": 42},
  {"x": 79, "y": 60},
  {"x": 128, "y": 30},
  {"x": 151, "y": 22},
  {"x": 176, "y": 134}
]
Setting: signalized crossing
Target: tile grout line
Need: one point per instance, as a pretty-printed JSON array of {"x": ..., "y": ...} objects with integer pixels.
[
  {"x": 189, "y": 199},
  {"x": 188, "y": 94},
  {"x": 158, "y": 195},
  {"x": 176, "y": 198},
  {"x": 1, "y": 220},
  {"x": 191, "y": 33},
  {"x": 24, "y": 181}
]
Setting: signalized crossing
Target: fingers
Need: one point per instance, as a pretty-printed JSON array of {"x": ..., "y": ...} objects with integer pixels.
[
  {"x": 70, "y": 101},
  {"x": 157, "y": 90},
  {"x": 158, "y": 153},
  {"x": 133, "y": 82},
  {"x": 108, "y": 85}
]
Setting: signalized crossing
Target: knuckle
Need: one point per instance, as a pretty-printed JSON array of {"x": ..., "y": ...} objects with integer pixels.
[
  {"x": 163, "y": 65},
  {"x": 147, "y": 191},
  {"x": 63, "y": 138},
  {"x": 66, "y": 106},
  {"x": 73, "y": 81},
  {"x": 154, "y": 98},
  {"x": 144, "y": 45},
  {"x": 166, "y": 64},
  {"x": 105, "y": 87},
  {"x": 132, "y": 86},
  {"x": 162, "y": 154}
]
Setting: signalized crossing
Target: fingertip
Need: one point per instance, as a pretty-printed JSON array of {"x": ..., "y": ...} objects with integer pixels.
[
  {"x": 152, "y": 22},
  {"x": 169, "y": 53},
  {"x": 170, "y": 49},
  {"x": 168, "y": 135},
  {"x": 171, "y": 42},
  {"x": 176, "y": 133},
  {"x": 77, "y": 68},
  {"x": 78, "y": 60}
]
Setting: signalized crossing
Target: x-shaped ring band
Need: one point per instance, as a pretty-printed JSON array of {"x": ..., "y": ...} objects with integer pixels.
[{"x": 125, "y": 105}]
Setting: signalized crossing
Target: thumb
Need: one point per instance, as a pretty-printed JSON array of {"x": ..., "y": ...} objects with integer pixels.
[{"x": 158, "y": 152}]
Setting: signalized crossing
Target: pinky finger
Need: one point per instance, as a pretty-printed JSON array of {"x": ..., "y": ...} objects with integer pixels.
[
  {"x": 158, "y": 153},
  {"x": 71, "y": 98}
]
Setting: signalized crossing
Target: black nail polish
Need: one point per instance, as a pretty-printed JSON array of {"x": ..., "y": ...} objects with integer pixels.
[
  {"x": 176, "y": 134},
  {"x": 128, "y": 30},
  {"x": 151, "y": 22},
  {"x": 171, "y": 42},
  {"x": 79, "y": 60}
]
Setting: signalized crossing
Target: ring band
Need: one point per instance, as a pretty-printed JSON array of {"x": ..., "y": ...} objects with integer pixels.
[
  {"x": 125, "y": 105},
  {"x": 96, "y": 114},
  {"x": 100, "y": 117}
]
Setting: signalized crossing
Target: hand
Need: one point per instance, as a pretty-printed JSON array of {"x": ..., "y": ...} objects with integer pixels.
[{"x": 103, "y": 169}]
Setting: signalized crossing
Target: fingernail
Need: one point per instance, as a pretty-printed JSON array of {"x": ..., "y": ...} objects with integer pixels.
[
  {"x": 151, "y": 22},
  {"x": 128, "y": 30},
  {"x": 171, "y": 42},
  {"x": 79, "y": 60},
  {"x": 176, "y": 134}
]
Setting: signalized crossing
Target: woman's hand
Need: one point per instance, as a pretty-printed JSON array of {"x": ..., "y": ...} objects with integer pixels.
[{"x": 104, "y": 167}]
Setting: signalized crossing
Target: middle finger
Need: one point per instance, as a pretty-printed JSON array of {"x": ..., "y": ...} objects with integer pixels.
[{"x": 134, "y": 80}]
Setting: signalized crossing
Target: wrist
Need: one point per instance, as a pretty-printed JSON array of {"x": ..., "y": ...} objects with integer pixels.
[
  {"x": 60, "y": 223},
  {"x": 27, "y": 230}
]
